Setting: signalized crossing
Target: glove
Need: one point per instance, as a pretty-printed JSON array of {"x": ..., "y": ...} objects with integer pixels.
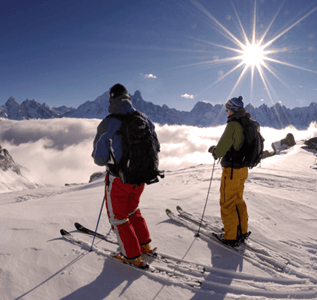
[{"x": 212, "y": 151}]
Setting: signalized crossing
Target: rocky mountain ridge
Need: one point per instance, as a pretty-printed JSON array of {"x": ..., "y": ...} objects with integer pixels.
[
  {"x": 7, "y": 162},
  {"x": 203, "y": 114},
  {"x": 14, "y": 177}
]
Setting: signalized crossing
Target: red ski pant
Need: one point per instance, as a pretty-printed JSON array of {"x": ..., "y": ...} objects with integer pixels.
[
  {"x": 233, "y": 208},
  {"x": 122, "y": 201}
]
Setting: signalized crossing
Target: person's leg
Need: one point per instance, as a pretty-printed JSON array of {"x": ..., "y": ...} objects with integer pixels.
[
  {"x": 117, "y": 203},
  {"x": 136, "y": 218},
  {"x": 241, "y": 205},
  {"x": 230, "y": 193}
]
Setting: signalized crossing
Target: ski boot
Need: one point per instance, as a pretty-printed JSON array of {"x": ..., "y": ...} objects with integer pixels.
[
  {"x": 138, "y": 262},
  {"x": 245, "y": 237},
  {"x": 231, "y": 243},
  {"x": 146, "y": 249}
]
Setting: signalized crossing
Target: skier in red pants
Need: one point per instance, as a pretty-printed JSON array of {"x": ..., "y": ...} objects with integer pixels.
[{"x": 122, "y": 199}]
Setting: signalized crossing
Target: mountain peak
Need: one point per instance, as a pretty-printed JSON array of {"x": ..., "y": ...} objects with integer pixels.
[
  {"x": 7, "y": 162},
  {"x": 11, "y": 101},
  {"x": 137, "y": 95}
]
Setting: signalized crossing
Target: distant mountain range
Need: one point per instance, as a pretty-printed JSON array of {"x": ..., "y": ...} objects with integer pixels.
[{"x": 203, "y": 114}]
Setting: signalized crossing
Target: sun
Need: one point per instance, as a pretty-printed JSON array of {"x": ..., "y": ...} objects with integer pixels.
[
  {"x": 253, "y": 55},
  {"x": 255, "y": 52}
]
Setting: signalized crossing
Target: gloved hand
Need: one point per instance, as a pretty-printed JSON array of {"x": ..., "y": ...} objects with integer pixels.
[{"x": 212, "y": 151}]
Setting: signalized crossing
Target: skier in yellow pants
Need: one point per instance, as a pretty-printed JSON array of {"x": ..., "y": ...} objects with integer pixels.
[{"x": 235, "y": 172}]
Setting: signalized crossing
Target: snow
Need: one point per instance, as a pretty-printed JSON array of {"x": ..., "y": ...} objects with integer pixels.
[
  {"x": 11, "y": 181},
  {"x": 37, "y": 263}
]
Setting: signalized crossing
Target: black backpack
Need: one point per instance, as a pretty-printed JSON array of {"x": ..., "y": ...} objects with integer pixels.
[
  {"x": 253, "y": 144},
  {"x": 139, "y": 160}
]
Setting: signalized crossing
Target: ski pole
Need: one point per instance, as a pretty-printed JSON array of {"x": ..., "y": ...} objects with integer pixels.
[
  {"x": 93, "y": 240},
  {"x": 202, "y": 217}
]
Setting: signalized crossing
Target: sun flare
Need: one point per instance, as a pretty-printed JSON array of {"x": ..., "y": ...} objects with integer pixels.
[
  {"x": 253, "y": 55},
  {"x": 256, "y": 53}
]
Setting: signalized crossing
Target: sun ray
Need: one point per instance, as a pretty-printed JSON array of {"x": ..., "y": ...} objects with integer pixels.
[
  {"x": 254, "y": 23},
  {"x": 252, "y": 79},
  {"x": 228, "y": 73},
  {"x": 240, "y": 24},
  {"x": 290, "y": 27},
  {"x": 254, "y": 52},
  {"x": 224, "y": 76},
  {"x": 290, "y": 65},
  {"x": 274, "y": 74},
  {"x": 271, "y": 23},
  {"x": 238, "y": 81},
  {"x": 270, "y": 96},
  {"x": 214, "y": 44},
  {"x": 209, "y": 15},
  {"x": 210, "y": 62}
]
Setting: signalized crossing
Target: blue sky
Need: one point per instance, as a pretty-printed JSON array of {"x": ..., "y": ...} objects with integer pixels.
[{"x": 176, "y": 52}]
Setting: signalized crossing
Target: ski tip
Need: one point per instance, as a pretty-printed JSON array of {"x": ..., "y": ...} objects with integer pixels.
[
  {"x": 179, "y": 208},
  {"x": 64, "y": 232},
  {"x": 168, "y": 211},
  {"x": 77, "y": 225}
]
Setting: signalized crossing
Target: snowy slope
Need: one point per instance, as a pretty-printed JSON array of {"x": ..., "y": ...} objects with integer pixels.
[
  {"x": 10, "y": 181},
  {"x": 14, "y": 177},
  {"x": 36, "y": 263}
]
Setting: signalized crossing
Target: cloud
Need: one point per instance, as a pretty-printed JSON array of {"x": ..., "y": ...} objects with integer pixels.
[
  {"x": 220, "y": 74},
  {"x": 57, "y": 133},
  {"x": 187, "y": 96},
  {"x": 58, "y": 151},
  {"x": 150, "y": 76},
  {"x": 185, "y": 146}
]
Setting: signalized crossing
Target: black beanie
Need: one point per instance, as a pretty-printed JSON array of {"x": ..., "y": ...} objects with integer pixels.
[{"x": 117, "y": 90}]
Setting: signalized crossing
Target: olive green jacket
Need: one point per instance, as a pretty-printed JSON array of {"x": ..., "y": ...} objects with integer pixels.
[
  {"x": 231, "y": 140},
  {"x": 232, "y": 136}
]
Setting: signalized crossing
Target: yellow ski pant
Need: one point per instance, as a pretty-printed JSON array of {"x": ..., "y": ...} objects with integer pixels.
[{"x": 232, "y": 206}]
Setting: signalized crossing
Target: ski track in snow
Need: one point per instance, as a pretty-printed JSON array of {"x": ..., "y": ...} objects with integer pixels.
[{"x": 245, "y": 284}]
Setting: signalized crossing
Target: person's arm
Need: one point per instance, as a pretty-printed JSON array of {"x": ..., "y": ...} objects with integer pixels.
[
  {"x": 102, "y": 141},
  {"x": 226, "y": 140}
]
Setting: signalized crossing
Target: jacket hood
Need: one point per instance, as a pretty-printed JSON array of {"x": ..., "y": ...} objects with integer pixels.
[{"x": 121, "y": 105}]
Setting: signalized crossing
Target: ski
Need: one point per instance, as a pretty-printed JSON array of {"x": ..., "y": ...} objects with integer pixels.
[
  {"x": 180, "y": 264},
  {"x": 207, "y": 225},
  {"x": 216, "y": 228},
  {"x": 84, "y": 229},
  {"x": 252, "y": 256},
  {"x": 156, "y": 271}
]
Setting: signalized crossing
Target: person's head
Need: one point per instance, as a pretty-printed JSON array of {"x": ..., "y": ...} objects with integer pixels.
[
  {"x": 233, "y": 105},
  {"x": 118, "y": 90},
  {"x": 120, "y": 100}
]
